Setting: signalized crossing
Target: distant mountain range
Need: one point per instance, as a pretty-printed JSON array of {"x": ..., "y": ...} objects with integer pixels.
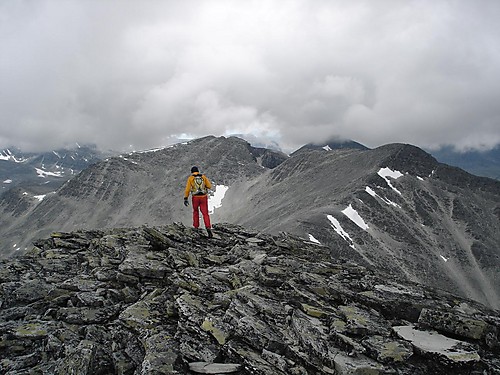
[
  {"x": 40, "y": 173},
  {"x": 37, "y": 174},
  {"x": 480, "y": 163},
  {"x": 394, "y": 208}
]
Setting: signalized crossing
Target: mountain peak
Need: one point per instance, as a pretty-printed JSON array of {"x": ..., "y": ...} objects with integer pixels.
[
  {"x": 408, "y": 158},
  {"x": 334, "y": 144},
  {"x": 169, "y": 300}
]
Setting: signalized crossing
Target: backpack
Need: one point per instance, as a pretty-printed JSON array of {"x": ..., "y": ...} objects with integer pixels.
[{"x": 199, "y": 185}]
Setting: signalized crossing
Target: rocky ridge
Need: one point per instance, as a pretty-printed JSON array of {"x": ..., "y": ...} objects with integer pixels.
[
  {"x": 421, "y": 220},
  {"x": 168, "y": 300}
]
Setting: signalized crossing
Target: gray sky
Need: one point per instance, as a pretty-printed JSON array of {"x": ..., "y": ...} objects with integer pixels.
[{"x": 117, "y": 73}]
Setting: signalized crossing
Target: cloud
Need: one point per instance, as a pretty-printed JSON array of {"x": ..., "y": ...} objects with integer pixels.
[{"x": 144, "y": 72}]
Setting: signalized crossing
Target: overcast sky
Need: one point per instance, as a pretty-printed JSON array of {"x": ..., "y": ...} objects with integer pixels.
[{"x": 143, "y": 73}]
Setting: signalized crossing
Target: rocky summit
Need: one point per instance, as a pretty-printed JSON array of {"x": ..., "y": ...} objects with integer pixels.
[{"x": 169, "y": 300}]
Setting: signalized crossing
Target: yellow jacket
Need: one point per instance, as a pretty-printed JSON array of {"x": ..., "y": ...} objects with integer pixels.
[{"x": 191, "y": 187}]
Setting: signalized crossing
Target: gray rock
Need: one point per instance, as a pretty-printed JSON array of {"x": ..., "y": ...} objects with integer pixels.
[
  {"x": 165, "y": 300},
  {"x": 387, "y": 350},
  {"x": 454, "y": 323},
  {"x": 81, "y": 360},
  {"x": 345, "y": 365},
  {"x": 434, "y": 344},
  {"x": 213, "y": 368}
]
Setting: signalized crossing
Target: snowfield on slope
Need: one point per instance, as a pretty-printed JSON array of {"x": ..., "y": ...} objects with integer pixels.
[
  {"x": 215, "y": 200},
  {"x": 352, "y": 214},
  {"x": 385, "y": 173},
  {"x": 338, "y": 228}
]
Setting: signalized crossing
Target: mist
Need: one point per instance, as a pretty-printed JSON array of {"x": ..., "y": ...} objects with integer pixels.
[{"x": 142, "y": 74}]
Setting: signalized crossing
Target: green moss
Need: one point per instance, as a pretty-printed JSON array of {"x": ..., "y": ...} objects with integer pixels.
[
  {"x": 189, "y": 285},
  {"x": 274, "y": 271},
  {"x": 218, "y": 334},
  {"x": 313, "y": 311},
  {"x": 394, "y": 351},
  {"x": 31, "y": 330},
  {"x": 351, "y": 313},
  {"x": 235, "y": 282},
  {"x": 328, "y": 270},
  {"x": 339, "y": 325},
  {"x": 140, "y": 316},
  {"x": 464, "y": 357},
  {"x": 51, "y": 254},
  {"x": 320, "y": 291}
]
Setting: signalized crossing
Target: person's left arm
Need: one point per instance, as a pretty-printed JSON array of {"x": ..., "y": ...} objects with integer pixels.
[{"x": 208, "y": 184}]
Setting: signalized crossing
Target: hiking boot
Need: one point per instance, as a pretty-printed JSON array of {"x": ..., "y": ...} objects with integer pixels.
[{"x": 209, "y": 232}]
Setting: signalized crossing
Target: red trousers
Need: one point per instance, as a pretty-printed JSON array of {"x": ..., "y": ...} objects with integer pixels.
[{"x": 200, "y": 202}]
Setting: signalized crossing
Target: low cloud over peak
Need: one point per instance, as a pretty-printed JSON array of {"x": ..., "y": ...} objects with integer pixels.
[{"x": 143, "y": 73}]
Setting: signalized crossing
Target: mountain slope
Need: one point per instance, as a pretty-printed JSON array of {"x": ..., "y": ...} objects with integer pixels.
[
  {"x": 394, "y": 208},
  {"x": 137, "y": 188},
  {"x": 434, "y": 223}
]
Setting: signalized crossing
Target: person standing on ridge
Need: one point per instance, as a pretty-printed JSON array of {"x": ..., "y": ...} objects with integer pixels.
[{"x": 198, "y": 184}]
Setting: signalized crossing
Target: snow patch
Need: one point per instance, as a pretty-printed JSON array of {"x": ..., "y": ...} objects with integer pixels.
[
  {"x": 385, "y": 173},
  {"x": 150, "y": 150},
  {"x": 327, "y": 148},
  {"x": 338, "y": 228},
  {"x": 312, "y": 239},
  {"x": 8, "y": 155},
  {"x": 130, "y": 161},
  {"x": 8, "y": 181},
  {"x": 420, "y": 178},
  {"x": 370, "y": 191},
  {"x": 44, "y": 174},
  {"x": 215, "y": 200},
  {"x": 352, "y": 214}
]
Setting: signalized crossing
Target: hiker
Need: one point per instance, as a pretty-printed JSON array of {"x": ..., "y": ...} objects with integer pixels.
[{"x": 198, "y": 184}]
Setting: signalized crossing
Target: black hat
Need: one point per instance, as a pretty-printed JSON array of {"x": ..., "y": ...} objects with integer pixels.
[{"x": 194, "y": 169}]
